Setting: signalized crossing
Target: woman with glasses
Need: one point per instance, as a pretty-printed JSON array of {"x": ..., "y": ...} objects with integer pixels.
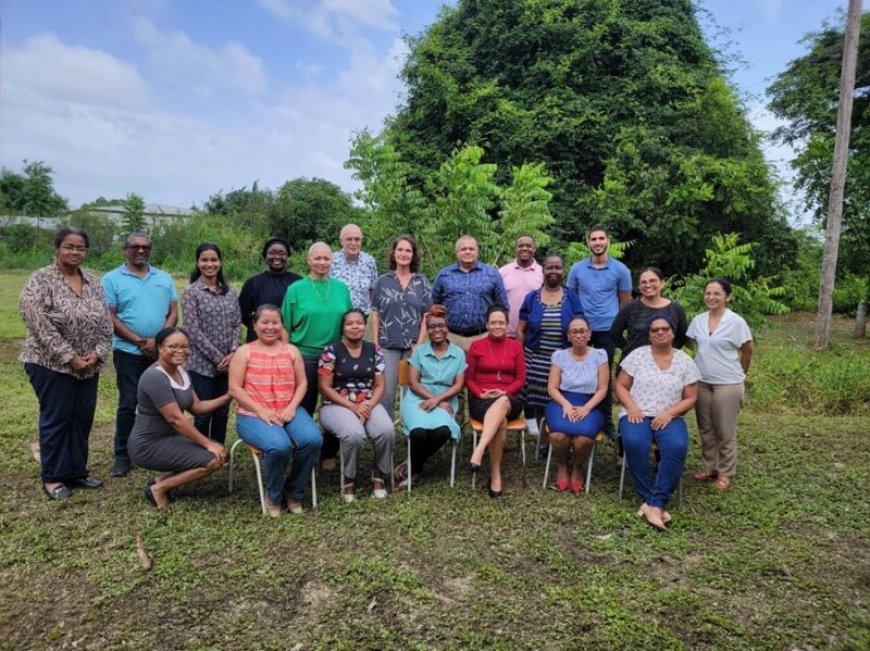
[
  {"x": 69, "y": 333},
  {"x": 269, "y": 287},
  {"x": 430, "y": 403},
  {"x": 657, "y": 385},
  {"x": 577, "y": 384},
  {"x": 163, "y": 438}
]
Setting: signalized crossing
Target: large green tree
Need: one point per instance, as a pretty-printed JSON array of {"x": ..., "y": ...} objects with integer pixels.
[
  {"x": 31, "y": 192},
  {"x": 623, "y": 102},
  {"x": 806, "y": 94}
]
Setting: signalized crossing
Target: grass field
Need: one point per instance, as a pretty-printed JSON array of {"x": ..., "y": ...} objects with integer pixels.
[{"x": 779, "y": 562}]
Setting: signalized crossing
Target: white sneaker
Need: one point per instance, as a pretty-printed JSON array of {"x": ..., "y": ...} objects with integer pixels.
[{"x": 532, "y": 427}]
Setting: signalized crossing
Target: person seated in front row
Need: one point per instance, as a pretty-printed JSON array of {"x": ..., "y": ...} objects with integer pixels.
[
  {"x": 657, "y": 386},
  {"x": 163, "y": 438},
  {"x": 351, "y": 380},
  {"x": 267, "y": 380},
  {"x": 495, "y": 377},
  {"x": 577, "y": 385},
  {"x": 429, "y": 404}
]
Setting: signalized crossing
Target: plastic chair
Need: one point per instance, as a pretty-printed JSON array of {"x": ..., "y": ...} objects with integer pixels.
[
  {"x": 654, "y": 450},
  {"x": 404, "y": 381},
  {"x": 599, "y": 438},
  {"x": 257, "y": 454}
]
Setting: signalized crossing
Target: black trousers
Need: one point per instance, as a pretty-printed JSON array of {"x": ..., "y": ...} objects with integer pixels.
[
  {"x": 425, "y": 443},
  {"x": 66, "y": 414}
]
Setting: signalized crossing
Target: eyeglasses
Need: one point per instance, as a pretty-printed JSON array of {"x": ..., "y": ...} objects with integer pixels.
[
  {"x": 73, "y": 249},
  {"x": 658, "y": 330},
  {"x": 438, "y": 326},
  {"x": 138, "y": 247}
]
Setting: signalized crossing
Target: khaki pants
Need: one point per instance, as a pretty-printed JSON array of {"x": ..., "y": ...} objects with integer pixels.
[{"x": 717, "y": 409}]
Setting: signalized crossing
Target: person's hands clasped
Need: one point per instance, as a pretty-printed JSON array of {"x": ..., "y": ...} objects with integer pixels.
[
  {"x": 288, "y": 414},
  {"x": 574, "y": 413},
  {"x": 80, "y": 363},
  {"x": 492, "y": 393},
  {"x": 363, "y": 410},
  {"x": 446, "y": 406},
  {"x": 270, "y": 416},
  {"x": 429, "y": 404},
  {"x": 224, "y": 365},
  {"x": 147, "y": 347}
]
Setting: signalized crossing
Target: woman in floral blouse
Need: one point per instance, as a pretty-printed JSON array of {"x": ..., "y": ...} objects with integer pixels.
[
  {"x": 213, "y": 321},
  {"x": 351, "y": 380},
  {"x": 69, "y": 334}
]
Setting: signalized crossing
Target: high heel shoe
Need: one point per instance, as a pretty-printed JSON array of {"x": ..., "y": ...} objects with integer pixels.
[
  {"x": 562, "y": 485},
  {"x": 496, "y": 495},
  {"x": 474, "y": 468}
]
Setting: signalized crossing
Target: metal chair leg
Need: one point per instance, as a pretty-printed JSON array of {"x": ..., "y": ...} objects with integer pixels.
[
  {"x": 260, "y": 482},
  {"x": 453, "y": 464},
  {"x": 473, "y": 448},
  {"x": 408, "y": 464},
  {"x": 547, "y": 467},
  {"x": 232, "y": 462},
  {"x": 313, "y": 488},
  {"x": 589, "y": 466}
]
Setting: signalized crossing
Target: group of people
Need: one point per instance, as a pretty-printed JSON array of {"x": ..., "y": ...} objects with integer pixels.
[{"x": 519, "y": 339}]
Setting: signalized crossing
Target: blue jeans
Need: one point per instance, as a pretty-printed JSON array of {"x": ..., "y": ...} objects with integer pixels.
[
  {"x": 300, "y": 438},
  {"x": 673, "y": 442},
  {"x": 66, "y": 414},
  {"x": 214, "y": 424},
  {"x": 128, "y": 369}
]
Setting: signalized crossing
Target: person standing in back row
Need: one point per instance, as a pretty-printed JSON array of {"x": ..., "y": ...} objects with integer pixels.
[
  {"x": 604, "y": 285},
  {"x": 142, "y": 301},
  {"x": 520, "y": 276},
  {"x": 355, "y": 268}
]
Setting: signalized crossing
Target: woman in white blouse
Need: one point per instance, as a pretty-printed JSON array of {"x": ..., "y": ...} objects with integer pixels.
[
  {"x": 724, "y": 344},
  {"x": 657, "y": 386}
]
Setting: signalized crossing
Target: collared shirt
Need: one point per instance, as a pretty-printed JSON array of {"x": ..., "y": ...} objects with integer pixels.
[
  {"x": 518, "y": 282},
  {"x": 718, "y": 357},
  {"x": 62, "y": 324},
  {"x": 359, "y": 275},
  {"x": 142, "y": 304},
  {"x": 599, "y": 289},
  {"x": 467, "y": 296},
  {"x": 213, "y": 321},
  {"x": 400, "y": 310}
]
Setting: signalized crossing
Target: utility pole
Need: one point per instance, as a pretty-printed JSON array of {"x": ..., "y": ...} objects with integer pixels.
[{"x": 838, "y": 177}]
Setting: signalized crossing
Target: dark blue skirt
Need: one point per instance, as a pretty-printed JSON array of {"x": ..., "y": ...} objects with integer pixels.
[{"x": 588, "y": 427}]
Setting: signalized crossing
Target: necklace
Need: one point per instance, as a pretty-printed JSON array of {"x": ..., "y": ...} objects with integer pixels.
[
  {"x": 500, "y": 363},
  {"x": 321, "y": 296}
]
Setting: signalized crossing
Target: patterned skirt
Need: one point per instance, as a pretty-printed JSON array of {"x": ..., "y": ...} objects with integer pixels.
[{"x": 538, "y": 362}]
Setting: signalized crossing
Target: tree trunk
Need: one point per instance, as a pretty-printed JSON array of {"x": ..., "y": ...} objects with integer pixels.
[
  {"x": 838, "y": 177},
  {"x": 861, "y": 321}
]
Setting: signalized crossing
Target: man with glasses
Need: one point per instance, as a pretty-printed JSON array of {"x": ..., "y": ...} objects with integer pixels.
[
  {"x": 142, "y": 301},
  {"x": 355, "y": 268}
]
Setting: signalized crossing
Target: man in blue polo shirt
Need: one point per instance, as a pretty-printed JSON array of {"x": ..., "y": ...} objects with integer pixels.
[
  {"x": 467, "y": 289},
  {"x": 142, "y": 301},
  {"x": 604, "y": 284}
]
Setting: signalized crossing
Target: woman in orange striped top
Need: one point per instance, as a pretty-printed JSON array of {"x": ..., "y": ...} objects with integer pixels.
[{"x": 267, "y": 380}]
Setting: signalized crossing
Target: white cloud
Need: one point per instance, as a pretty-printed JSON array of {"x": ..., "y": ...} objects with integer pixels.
[
  {"x": 204, "y": 68},
  {"x": 335, "y": 20},
  {"x": 308, "y": 69},
  {"x": 46, "y": 70},
  {"x": 771, "y": 8}
]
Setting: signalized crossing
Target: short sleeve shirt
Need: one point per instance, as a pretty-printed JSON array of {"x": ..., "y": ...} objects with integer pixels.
[
  {"x": 157, "y": 389},
  {"x": 438, "y": 373},
  {"x": 718, "y": 356},
  {"x": 359, "y": 275},
  {"x": 353, "y": 377},
  {"x": 140, "y": 303},
  {"x": 599, "y": 288},
  {"x": 653, "y": 389},
  {"x": 400, "y": 310},
  {"x": 579, "y": 377}
]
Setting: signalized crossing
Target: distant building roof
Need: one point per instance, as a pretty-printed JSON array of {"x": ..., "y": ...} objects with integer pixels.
[{"x": 150, "y": 209}]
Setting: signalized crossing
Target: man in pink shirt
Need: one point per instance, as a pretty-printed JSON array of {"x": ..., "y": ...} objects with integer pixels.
[{"x": 520, "y": 277}]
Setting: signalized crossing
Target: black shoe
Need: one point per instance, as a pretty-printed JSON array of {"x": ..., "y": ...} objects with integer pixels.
[
  {"x": 474, "y": 468},
  {"x": 84, "y": 482},
  {"x": 120, "y": 468},
  {"x": 61, "y": 493},
  {"x": 149, "y": 496},
  {"x": 498, "y": 496}
]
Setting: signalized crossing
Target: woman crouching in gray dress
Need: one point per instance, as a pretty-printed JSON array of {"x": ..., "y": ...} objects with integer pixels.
[{"x": 163, "y": 438}]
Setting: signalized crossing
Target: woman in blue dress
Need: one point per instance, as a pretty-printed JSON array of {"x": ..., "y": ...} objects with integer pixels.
[{"x": 429, "y": 405}]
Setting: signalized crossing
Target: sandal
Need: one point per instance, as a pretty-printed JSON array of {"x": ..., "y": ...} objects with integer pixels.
[
  {"x": 562, "y": 485},
  {"x": 379, "y": 493},
  {"x": 705, "y": 475},
  {"x": 401, "y": 472},
  {"x": 576, "y": 486},
  {"x": 723, "y": 483},
  {"x": 347, "y": 498}
]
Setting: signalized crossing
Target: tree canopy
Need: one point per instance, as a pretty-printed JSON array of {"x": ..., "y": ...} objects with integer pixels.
[
  {"x": 622, "y": 101},
  {"x": 806, "y": 94},
  {"x": 30, "y": 193}
]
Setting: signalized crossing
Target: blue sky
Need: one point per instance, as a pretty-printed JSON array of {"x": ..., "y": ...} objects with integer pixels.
[{"x": 177, "y": 100}]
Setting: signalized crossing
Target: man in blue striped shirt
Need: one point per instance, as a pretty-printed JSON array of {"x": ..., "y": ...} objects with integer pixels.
[{"x": 467, "y": 289}]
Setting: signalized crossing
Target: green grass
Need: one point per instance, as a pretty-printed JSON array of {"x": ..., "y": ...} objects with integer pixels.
[{"x": 780, "y": 562}]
